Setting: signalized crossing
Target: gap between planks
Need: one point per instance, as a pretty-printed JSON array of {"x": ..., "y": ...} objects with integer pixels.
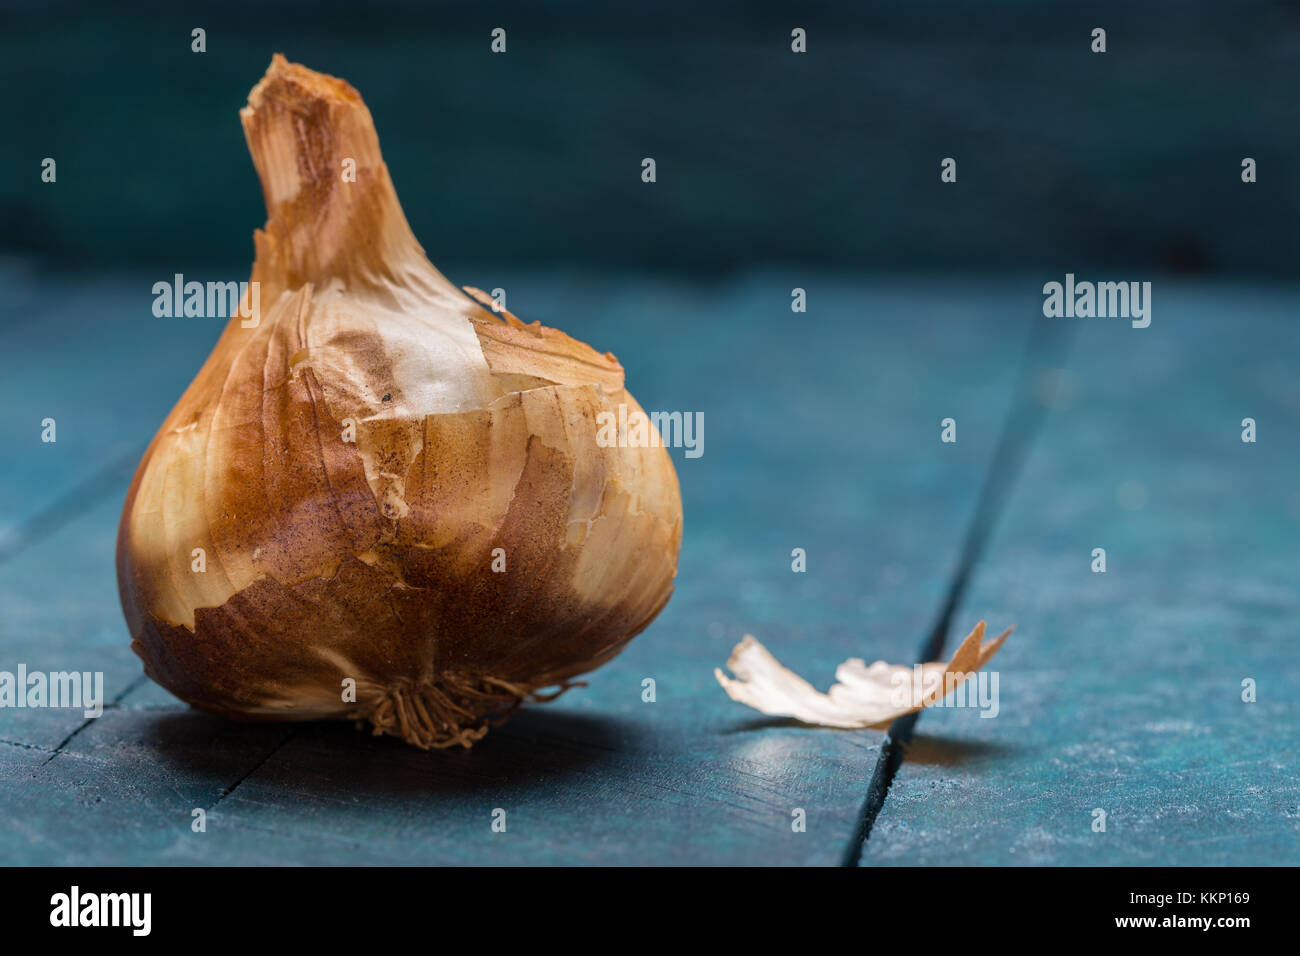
[{"x": 1048, "y": 342}]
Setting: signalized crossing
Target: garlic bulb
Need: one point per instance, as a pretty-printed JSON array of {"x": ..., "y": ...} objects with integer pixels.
[{"x": 381, "y": 500}]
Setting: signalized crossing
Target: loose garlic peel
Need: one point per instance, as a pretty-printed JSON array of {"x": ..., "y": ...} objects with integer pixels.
[
  {"x": 863, "y": 697},
  {"x": 329, "y": 559}
]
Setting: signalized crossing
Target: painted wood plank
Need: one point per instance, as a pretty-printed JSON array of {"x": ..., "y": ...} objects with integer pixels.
[
  {"x": 1122, "y": 691},
  {"x": 128, "y": 799},
  {"x": 90, "y": 355},
  {"x": 822, "y": 432},
  {"x": 59, "y": 611}
]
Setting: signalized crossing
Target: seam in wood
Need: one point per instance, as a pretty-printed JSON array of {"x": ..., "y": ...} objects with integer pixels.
[
  {"x": 90, "y": 720},
  {"x": 253, "y": 769},
  {"x": 1047, "y": 341}
]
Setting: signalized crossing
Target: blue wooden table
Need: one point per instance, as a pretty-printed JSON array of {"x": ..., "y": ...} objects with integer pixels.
[{"x": 1119, "y": 691}]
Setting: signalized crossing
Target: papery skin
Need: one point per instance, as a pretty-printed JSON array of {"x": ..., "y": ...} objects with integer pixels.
[
  {"x": 372, "y": 560},
  {"x": 862, "y": 696}
]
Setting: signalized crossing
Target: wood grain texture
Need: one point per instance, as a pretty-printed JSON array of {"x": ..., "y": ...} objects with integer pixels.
[
  {"x": 822, "y": 432},
  {"x": 90, "y": 355},
  {"x": 1122, "y": 691}
]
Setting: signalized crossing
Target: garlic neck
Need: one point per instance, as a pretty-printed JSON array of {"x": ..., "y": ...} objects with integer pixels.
[{"x": 332, "y": 210}]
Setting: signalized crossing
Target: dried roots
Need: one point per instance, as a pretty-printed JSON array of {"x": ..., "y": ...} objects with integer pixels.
[{"x": 450, "y": 709}]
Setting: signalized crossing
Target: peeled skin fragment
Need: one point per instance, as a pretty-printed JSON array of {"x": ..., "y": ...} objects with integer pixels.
[
  {"x": 864, "y": 696},
  {"x": 381, "y": 483}
]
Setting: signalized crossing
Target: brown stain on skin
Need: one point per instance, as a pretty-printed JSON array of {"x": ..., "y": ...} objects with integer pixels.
[
  {"x": 372, "y": 560},
  {"x": 277, "y": 651}
]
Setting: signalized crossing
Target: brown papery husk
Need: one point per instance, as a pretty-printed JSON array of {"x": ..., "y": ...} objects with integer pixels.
[{"x": 370, "y": 560}]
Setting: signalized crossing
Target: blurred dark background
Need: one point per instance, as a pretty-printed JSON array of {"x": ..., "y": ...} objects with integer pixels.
[{"x": 1066, "y": 159}]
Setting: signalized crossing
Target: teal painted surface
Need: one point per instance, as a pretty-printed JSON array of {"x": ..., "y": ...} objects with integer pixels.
[
  {"x": 822, "y": 432},
  {"x": 91, "y": 356},
  {"x": 1122, "y": 691}
]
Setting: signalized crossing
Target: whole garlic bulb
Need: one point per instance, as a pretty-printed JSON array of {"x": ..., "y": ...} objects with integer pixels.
[{"x": 382, "y": 481}]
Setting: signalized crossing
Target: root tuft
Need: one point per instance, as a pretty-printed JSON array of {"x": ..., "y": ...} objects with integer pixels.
[{"x": 450, "y": 710}]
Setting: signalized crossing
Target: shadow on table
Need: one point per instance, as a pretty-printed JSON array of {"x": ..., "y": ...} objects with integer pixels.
[
  {"x": 954, "y": 751},
  {"x": 767, "y": 723},
  {"x": 924, "y": 748},
  {"x": 529, "y": 752}
]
